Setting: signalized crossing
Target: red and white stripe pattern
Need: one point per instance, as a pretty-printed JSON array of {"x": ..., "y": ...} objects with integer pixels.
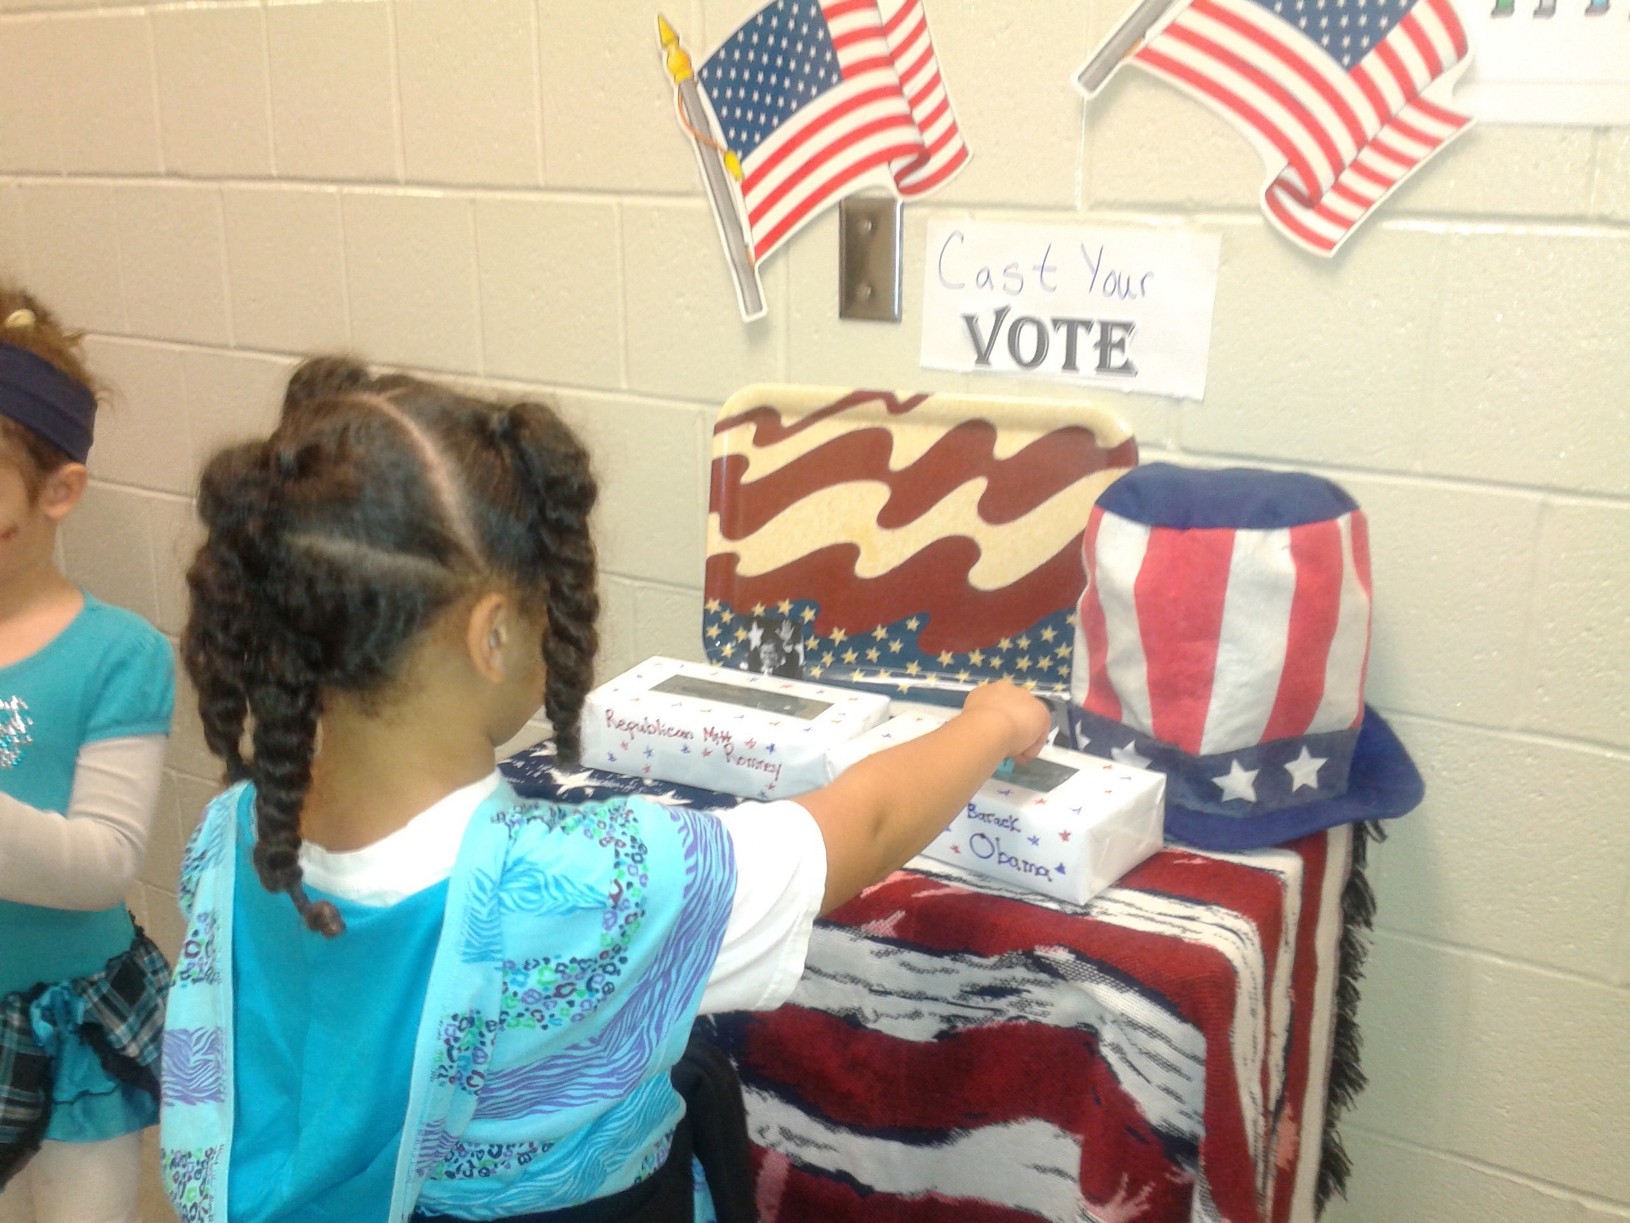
[
  {"x": 1268, "y": 640},
  {"x": 1337, "y": 141},
  {"x": 884, "y": 507},
  {"x": 954, "y": 1053},
  {"x": 944, "y": 152},
  {"x": 888, "y": 122}
]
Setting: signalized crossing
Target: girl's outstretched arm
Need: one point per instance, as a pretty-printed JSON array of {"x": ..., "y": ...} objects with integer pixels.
[
  {"x": 87, "y": 860},
  {"x": 888, "y": 807}
]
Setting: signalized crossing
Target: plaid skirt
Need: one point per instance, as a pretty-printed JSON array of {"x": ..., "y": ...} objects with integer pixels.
[{"x": 117, "y": 1013}]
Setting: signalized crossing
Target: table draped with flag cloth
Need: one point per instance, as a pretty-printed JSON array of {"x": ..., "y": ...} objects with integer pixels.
[{"x": 957, "y": 1050}]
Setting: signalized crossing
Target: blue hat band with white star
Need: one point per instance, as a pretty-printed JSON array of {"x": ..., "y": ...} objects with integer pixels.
[{"x": 1272, "y": 776}]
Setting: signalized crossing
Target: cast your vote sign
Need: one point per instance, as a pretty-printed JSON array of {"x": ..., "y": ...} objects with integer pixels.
[{"x": 1129, "y": 309}]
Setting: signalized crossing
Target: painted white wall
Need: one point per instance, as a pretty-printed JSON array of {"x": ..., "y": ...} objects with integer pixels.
[{"x": 497, "y": 189}]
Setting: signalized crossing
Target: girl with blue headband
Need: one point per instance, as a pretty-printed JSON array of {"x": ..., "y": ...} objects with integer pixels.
[
  {"x": 473, "y": 1007},
  {"x": 86, "y": 691}
]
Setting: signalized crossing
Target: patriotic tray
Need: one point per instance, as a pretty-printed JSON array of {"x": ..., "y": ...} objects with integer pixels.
[{"x": 912, "y": 544}]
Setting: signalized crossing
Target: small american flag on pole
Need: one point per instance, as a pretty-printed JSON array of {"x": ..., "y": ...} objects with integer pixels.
[
  {"x": 818, "y": 98},
  {"x": 1344, "y": 98}
]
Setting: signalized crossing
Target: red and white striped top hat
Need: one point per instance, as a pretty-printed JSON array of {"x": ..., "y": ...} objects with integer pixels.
[{"x": 1223, "y": 638}]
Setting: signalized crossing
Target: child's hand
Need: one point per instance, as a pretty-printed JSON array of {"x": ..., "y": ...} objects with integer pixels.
[
  {"x": 888, "y": 806},
  {"x": 1026, "y": 718}
]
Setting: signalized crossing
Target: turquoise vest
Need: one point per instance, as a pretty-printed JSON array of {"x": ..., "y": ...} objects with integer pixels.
[{"x": 573, "y": 953}]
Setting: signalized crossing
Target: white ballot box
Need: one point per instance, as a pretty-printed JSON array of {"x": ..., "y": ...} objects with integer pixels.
[
  {"x": 1064, "y": 824},
  {"x": 756, "y": 736}
]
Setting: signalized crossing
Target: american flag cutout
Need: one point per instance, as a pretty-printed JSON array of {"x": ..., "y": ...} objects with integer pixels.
[
  {"x": 918, "y": 544},
  {"x": 1343, "y": 98},
  {"x": 815, "y": 99}
]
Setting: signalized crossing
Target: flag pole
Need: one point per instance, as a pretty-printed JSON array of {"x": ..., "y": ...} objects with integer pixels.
[
  {"x": 1120, "y": 45},
  {"x": 713, "y": 157}
]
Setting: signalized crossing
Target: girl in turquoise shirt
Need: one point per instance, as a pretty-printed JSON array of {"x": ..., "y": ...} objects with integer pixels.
[
  {"x": 85, "y": 698},
  {"x": 472, "y": 1006}
]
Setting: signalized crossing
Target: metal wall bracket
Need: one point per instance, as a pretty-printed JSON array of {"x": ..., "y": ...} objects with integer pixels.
[{"x": 869, "y": 258}]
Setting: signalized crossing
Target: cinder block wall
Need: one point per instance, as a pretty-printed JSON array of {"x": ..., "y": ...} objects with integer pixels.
[{"x": 497, "y": 190}]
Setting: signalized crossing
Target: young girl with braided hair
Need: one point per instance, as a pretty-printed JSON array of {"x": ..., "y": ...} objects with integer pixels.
[
  {"x": 86, "y": 691},
  {"x": 472, "y": 1006}
]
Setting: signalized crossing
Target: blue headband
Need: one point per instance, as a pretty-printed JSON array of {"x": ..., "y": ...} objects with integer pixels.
[{"x": 45, "y": 401}]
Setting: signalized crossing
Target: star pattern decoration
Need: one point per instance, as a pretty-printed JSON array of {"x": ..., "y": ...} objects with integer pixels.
[
  {"x": 535, "y": 774},
  {"x": 582, "y": 779},
  {"x": 1345, "y": 30},
  {"x": 1304, "y": 770},
  {"x": 1239, "y": 782},
  {"x": 1130, "y": 756},
  {"x": 890, "y": 656}
]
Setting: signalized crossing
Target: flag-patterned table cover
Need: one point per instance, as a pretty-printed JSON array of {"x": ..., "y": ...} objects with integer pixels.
[{"x": 957, "y": 1052}]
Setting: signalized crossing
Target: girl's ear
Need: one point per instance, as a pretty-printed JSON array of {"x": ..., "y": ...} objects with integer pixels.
[
  {"x": 62, "y": 490},
  {"x": 486, "y": 635}
]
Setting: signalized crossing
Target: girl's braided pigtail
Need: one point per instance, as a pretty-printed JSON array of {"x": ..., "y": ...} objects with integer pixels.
[
  {"x": 215, "y": 643},
  {"x": 559, "y": 488},
  {"x": 287, "y": 703},
  {"x": 251, "y": 666},
  {"x": 212, "y": 650}
]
